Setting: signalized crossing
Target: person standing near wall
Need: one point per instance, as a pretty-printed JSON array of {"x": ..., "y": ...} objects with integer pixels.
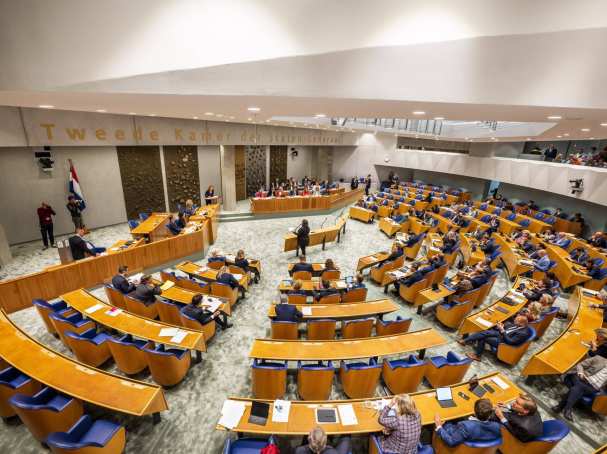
[
  {"x": 45, "y": 216},
  {"x": 367, "y": 184},
  {"x": 75, "y": 208}
]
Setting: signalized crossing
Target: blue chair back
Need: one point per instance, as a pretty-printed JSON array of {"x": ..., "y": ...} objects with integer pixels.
[
  {"x": 133, "y": 224},
  {"x": 511, "y": 216},
  {"x": 143, "y": 216}
]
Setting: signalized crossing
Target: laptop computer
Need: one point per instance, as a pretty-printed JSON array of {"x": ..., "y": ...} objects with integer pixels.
[
  {"x": 444, "y": 397},
  {"x": 259, "y": 413}
]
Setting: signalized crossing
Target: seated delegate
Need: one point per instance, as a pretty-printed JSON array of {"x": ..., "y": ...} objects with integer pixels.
[
  {"x": 296, "y": 289},
  {"x": 242, "y": 262},
  {"x": 402, "y": 425},
  {"x": 174, "y": 226},
  {"x": 225, "y": 277},
  {"x": 198, "y": 312},
  {"x": 287, "y": 312},
  {"x": 479, "y": 428},
  {"x": 325, "y": 290},
  {"x": 82, "y": 248},
  {"x": 521, "y": 418},
  {"x": 302, "y": 265},
  {"x": 146, "y": 291},
  {"x": 120, "y": 281},
  {"x": 216, "y": 257},
  {"x": 317, "y": 444}
]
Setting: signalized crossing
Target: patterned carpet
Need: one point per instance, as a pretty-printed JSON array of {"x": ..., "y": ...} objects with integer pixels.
[{"x": 194, "y": 405}]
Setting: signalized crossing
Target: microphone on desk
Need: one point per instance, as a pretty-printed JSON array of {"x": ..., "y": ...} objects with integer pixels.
[{"x": 323, "y": 222}]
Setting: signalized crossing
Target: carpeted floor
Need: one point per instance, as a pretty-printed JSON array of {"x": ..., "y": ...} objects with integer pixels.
[{"x": 194, "y": 405}]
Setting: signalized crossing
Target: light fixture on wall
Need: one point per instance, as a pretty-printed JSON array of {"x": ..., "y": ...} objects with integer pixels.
[
  {"x": 253, "y": 109},
  {"x": 554, "y": 117},
  {"x": 46, "y": 106},
  {"x": 294, "y": 153}
]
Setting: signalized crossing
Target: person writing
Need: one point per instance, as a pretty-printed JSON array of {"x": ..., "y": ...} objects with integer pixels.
[
  {"x": 45, "y": 217},
  {"x": 120, "y": 281},
  {"x": 146, "y": 291},
  {"x": 75, "y": 208},
  {"x": 81, "y": 248},
  {"x": 200, "y": 313},
  {"x": 303, "y": 236},
  {"x": 209, "y": 195},
  {"x": 402, "y": 426}
]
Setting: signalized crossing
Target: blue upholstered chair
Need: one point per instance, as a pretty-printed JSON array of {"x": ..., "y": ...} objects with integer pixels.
[
  {"x": 597, "y": 402},
  {"x": 467, "y": 447},
  {"x": 539, "y": 216},
  {"x": 446, "y": 370},
  {"x": 86, "y": 436},
  {"x": 524, "y": 223},
  {"x": 75, "y": 323},
  {"x": 403, "y": 375},
  {"x": 511, "y": 354},
  {"x": 90, "y": 347},
  {"x": 486, "y": 218},
  {"x": 12, "y": 382},
  {"x": 396, "y": 326},
  {"x": 511, "y": 217},
  {"x": 46, "y": 412},
  {"x": 45, "y": 308},
  {"x": 128, "y": 354},
  {"x": 497, "y": 211},
  {"x": 143, "y": 216},
  {"x": 539, "y": 274},
  {"x": 167, "y": 366},
  {"x": 245, "y": 445},
  {"x": 541, "y": 325},
  {"x": 483, "y": 206},
  {"x": 360, "y": 379},
  {"x": 554, "y": 430},
  {"x": 269, "y": 379},
  {"x": 375, "y": 447},
  {"x": 133, "y": 224},
  {"x": 550, "y": 220},
  {"x": 315, "y": 381}
]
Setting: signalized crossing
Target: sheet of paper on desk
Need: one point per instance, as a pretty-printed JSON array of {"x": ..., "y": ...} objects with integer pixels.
[
  {"x": 501, "y": 383},
  {"x": 306, "y": 310},
  {"x": 347, "y": 415},
  {"x": 340, "y": 284},
  {"x": 168, "y": 332},
  {"x": 212, "y": 303},
  {"x": 280, "y": 411},
  {"x": 114, "y": 249},
  {"x": 135, "y": 277},
  {"x": 94, "y": 308},
  {"x": 230, "y": 258},
  {"x": 238, "y": 276},
  {"x": 113, "y": 312},
  {"x": 483, "y": 322},
  {"x": 231, "y": 413},
  {"x": 177, "y": 338},
  {"x": 167, "y": 285}
]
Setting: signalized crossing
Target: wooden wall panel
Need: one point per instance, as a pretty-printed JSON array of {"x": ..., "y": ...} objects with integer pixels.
[
  {"x": 240, "y": 172},
  {"x": 181, "y": 168}
]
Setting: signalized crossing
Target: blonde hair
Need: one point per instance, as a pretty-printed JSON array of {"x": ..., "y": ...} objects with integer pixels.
[
  {"x": 297, "y": 284},
  {"x": 317, "y": 439},
  {"x": 189, "y": 203},
  {"x": 405, "y": 405},
  {"x": 535, "y": 309}
]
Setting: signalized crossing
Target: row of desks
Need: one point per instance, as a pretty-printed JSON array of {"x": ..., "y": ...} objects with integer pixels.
[
  {"x": 343, "y": 311},
  {"x": 304, "y": 203}
]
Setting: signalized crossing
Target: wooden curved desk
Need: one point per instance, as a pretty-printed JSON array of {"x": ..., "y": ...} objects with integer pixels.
[
  {"x": 516, "y": 261},
  {"x": 184, "y": 296},
  {"x": 335, "y": 199},
  {"x": 317, "y": 268},
  {"x": 345, "y": 311},
  {"x": 302, "y": 414},
  {"x": 310, "y": 286},
  {"x": 208, "y": 274},
  {"x": 128, "y": 323},
  {"x": 77, "y": 379},
  {"x": 370, "y": 260},
  {"x": 568, "y": 272},
  {"x": 295, "y": 350},
  {"x": 318, "y": 237},
  {"x": 568, "y": 349},
  {"x": 153, "y": 228},
  {"x": 361, "y": 214},
  {"x": 471, "y": 257}
]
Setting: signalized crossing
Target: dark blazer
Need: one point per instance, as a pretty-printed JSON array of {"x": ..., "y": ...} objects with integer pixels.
[
  {"x": 78, "y": 247},
  {"x": 515, "y": 335},
  {"x": 303, "y": 234},
  {"x": 121, "y": 283},
  {"x": 525, "y": 428},
  {"x": 412, "y": 279},
  {"x": 227, "y": 278},
  {"x": 489, "y": 248},
  {"x": 242, "y": 263},
  {"x": 477, "y": 281},
  {"x": 147, "y": 294},
  {"x": 287, "y": 313},
  {"x": 470, "y": 430},
  {"x": 411, "y": 241},
  {"x": 173, "y": 228},
  {"x": 302, "y": 267},
  {"x": 325, "y": 292},
  {"x": 198, "y": 313}
]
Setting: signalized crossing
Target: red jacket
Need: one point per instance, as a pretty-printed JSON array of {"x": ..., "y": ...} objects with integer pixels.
[{"x": 44, "y": 215}]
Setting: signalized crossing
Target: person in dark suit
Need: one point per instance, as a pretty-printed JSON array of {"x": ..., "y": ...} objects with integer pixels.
[
  {"x": 494, "y": 224},
  {"x": 198, "y": 312},
  {"x": 487, "y": 245},
  {"x": 81, "y": 248},
  {"x": 242, "y": 262},
  {"x": 413, "y": 239},
  {"x": 521, "y": 418},
  {"x": 287, "y": 313},
  {"x": 75, "y": 207},
  {"x": 325, "y": 290},
  {"x": 45, "y": 217},
  {"x": 303, "y": 236},
  {"x": 302, "y": 265},
  {"x": 510, "y": 333},
  {"x": 120, "y": 281},
  {"x": 216, "y": 257},
  {"x": 316, "y": 443},
  {"x": 296, "y": 289},
  {"x": 412, "y": 277},
  {"x": 396, "y": 252},
  {"x": 360, "y": 281},
  {"x": 146, "y": 291},
  {"x": 367, "y": 184},
  {"x": 225, "y": 277},
  {"x": 173, "y": 226},
  {"x": 209, "y": 195},
  {"x": 479, "y": 429},
  {"x": 437, "y": 260},
  {"x": 181, "y": 222}
]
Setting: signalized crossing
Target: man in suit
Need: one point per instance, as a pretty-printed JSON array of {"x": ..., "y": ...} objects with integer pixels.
[
  {"x": 120, "y": 281},
  {"x": 413, "y": 239},
  {"x": 146, "y": 291},
  {"x": 488, "y": 246},
  {"x": 587, "y": 377},
  {"x": 198, "y": 312},
  {"x": 414, "y": 275},
  {"x": 396, "y": 252},
  {"x": 521, "y": 418},
  {"x": 561, "y": 240},
  {"x": 302, "y": 265},
  {"x": 541, "y": 261},
  {"x": 81, "y": 248},
  {"x": 287, "y": 313},
  {"x": 359, "y": 282},
  {"x": 509, "y": 333},
  {"x": 478, "y": 429}
]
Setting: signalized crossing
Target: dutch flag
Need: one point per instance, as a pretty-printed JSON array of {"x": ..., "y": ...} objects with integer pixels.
[{"x": 74, "y": 186}]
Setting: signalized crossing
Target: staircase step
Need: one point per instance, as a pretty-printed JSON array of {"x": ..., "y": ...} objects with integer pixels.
[{"x": 240, "y": 217}]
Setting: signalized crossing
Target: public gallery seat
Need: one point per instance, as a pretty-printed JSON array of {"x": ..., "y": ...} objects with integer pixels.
[
  {"x": 167, "y": 366},
  {"x": 89, "y": 347},
  {"x": 88, "y": 437},
  {"x": 12, "y": 382},
  {"x": 315, "y": 381},
  {"x": 554, "y": 430},
  {"x": 269, "y": 379},
  {"x": 403, "y": 375},
  {"x": 128, "y": 354},
  {"x": 446, "y": 370},
  {"x": 388, "y": 327},
  {"x": 359, "y": 380}
]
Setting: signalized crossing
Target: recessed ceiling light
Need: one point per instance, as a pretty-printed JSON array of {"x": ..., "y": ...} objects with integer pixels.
[
  {"x": 465, "y": 138},
  {"x": 209, "y": 113},
  {"x": 439, "y": 118},
  {"x": 566, "y": 134},
  {"x": 320, "y": 115},
  {"x": 195, "y": 118},
  {"x": 558, "y": 137},
  {"x": 419, "y": 112},
  {"x": 249, "y": 119},
  {"x": 592, "y": 138},
  {"x": 554, "y": 117},
  {"x": 585, "y": 129},
  {"x": 219, "y": 115},
  {"x": 46, "y": 106},
  {"x": 152, "y": 115},
  {"x": 253, "y": 109},
  {"x": 603, "y": 124},
  {"x": 100, "y": 110}
]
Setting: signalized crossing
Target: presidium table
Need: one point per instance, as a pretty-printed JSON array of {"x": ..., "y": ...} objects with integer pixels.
[{"x": 338, "y": 199}]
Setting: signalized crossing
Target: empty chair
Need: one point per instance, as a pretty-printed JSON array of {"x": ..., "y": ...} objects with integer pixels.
[
  {"x": 297, "y": 299},
  {"x": 351, "y": 329},
  {"x": 445, "y": 371},
  {"x": 315, "y": 381},
  {"x": 409, "y": 293},
  {"x": 12, "y": 382},
  {"x": 467, "y": 447},
  {"x": 511, "y": 354},
  {"x": 74, "y": 323},
  {"x": 541, "y": 325},
  {"x": 269, "y": 379},
  {"x": 511, "y": 216},
  {"x": 335, "y": 298},
  {"x": 388, "y": 327},
  {"x": 45, "y": 308},
  {"x": 209, "y": 328},
  {"x": 168, "y": 312},
  {"x": 403, "y": 375},
  {"x": 284, "y": 330},
  {"x": 88, "y": 437},
  {"x": 554, "y": 430},
  {"x": 89, "y": 347},
  {"x": 128, "y": 354},
  {"x": 245, "y": 445},
  {"x": 330, "y": 275},
  {"x": 302, "y": 275},
  {"x": 225, "y": 291},
  {"x": 360, "y": 379},
  {"x": 524, "y": 223},
  {"x": 115, "y": 296},
  {"x": 133, "y": 224},
  {"x": 355, "y": 295},
  {"x": 167, "y": 366},
  {"x": 143, "y": 216},
  {"x": 486, "y": 218},
  {"x": 321, "y": 329},
  {"x": 441, "y": 272},
  {"x": 140, "y": 308},
  {"x": 452, "y": 313},
  {"x": 46, "y": 412}
]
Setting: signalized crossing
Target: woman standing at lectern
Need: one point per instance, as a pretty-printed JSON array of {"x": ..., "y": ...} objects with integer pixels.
[{"x": 303, "y": 236}]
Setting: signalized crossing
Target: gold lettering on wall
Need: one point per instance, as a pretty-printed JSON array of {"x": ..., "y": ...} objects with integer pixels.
[
  {"x": 154, "y": 135},
  {"x": 100, "y": 134},
  {"x": 76, "y": 134},
  {"x": 119, "y": 134},
  {"x": 49, "y": 130}
]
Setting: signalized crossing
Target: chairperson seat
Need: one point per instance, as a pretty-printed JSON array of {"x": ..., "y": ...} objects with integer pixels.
[{"x": 88, "y": 437}]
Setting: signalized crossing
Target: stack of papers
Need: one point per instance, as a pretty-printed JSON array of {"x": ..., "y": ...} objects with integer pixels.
[
  {"x": 168, "y": 332},
  {"x": 167, "y": 285},
  {"x": 135, "y": 277},
  {"x": 347, "y": 415},
  {"x": 483, "y": 322},
  {"x": 179, "y": 336},
  {"x": 94, "y": 308},
  {"x": 501, "y": 383},
  {"x": 306, "y": 310},
  {"x": 280, "y": 411},
  {"x": 238, "y": 276},
  {"x": 212, "y": 303},
  {"x": 397, "y": 274},
  {"x": 231, "y": 413}
]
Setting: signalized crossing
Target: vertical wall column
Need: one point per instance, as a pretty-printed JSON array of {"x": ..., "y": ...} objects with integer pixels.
[
  {"x": 164, "y": 180},
  {"x": 228, "y": 177},
  {"x": 267, "y": 168}
]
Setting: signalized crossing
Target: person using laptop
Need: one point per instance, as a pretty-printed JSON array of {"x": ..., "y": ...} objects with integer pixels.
[
  {"x": 479, "y": 428},
  {"x": 402, "y": 426},
  {"x": 317, "y": 444}
]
